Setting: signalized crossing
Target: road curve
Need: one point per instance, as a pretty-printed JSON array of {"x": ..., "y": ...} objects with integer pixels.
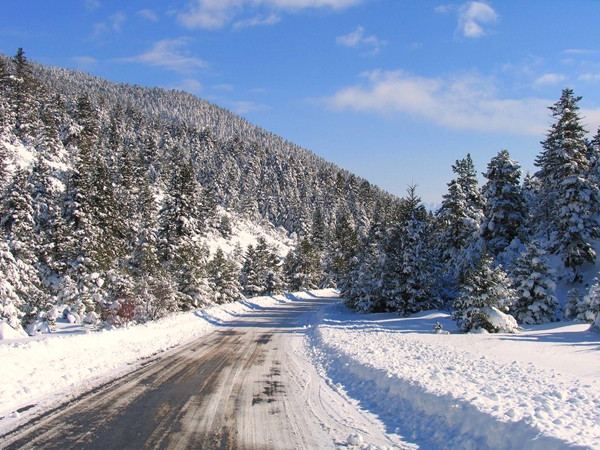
[{"x": 245, "y": 386}]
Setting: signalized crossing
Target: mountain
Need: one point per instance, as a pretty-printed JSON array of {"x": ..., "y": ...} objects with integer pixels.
[{"x": 113, "y": 195}]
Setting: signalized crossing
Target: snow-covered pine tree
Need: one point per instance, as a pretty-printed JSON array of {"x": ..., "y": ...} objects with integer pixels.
[
  {"x": 504, "y": 208},
  {"x": 11, "y": 287},
  {"x": 534, "y": 285},
  {"x": 484, "y": 299},
  {"x": 567, "y": 191},
  {"x": 252, "y": 274},
  {"x": 303, "y": 267},
  {"x": 584, "y": 307},
  {"x": 409, "y": 262},
  {"x": 223, "y": 277},
  {"x": 344, "y": 247},
  {"x": 26, "y": 95}
]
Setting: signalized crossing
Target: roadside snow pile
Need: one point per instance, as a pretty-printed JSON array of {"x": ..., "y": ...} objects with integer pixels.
[
  {"x": 466, "y": 391},
  {"x": 39, "y": 369}
]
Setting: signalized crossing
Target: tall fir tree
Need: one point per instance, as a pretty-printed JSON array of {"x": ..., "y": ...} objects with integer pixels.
[
  {"x": 504, "y": 208},
  {"x": 567, "y": 191}
]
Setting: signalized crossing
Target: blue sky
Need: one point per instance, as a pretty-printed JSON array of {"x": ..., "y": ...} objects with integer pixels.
[{"x": 394, "y": 91}]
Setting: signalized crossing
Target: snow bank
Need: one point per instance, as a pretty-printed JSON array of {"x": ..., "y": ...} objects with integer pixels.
[
  {"x": 42, "y": 369},
  {"x": 446, "y": 397}
]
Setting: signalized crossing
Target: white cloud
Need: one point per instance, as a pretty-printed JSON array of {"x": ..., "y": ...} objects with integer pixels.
[
  {"x": 117, "y": 20},
  {"x": 84, "y": 62},
  {"x": 245, "y": 107},
  {"x": 464, "y": 102},
  {"x": 579, "y": 51},
  {"x": 148, "y": 14},
  {"x": 91, "y": 5},
  {"x": 168, "y": 53},
  {"x": 472, "y": 16},
  {"x": 272, "y": 19},
  {"x": 213, "y": 14},
  {"x": 549, "y": 79},
  {"x": 357, "y": 39},
  {"x": 115, "y": 23},
  {"x": 445, "y": 9},
  {"x": 189, "y": 85},
  {"x": 590, "y": 77},
  {"x": 223, "y": 87}
]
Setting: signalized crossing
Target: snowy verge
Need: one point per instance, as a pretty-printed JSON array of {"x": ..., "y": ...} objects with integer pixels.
[
  {"x": 52, "y": 368},
  {"x": 432, "y": 390}
]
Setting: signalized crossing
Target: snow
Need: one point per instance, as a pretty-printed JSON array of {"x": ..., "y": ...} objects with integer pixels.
[
  {"x": 47, "y": 368},
  {"x": 245, "y": 232},
  {"x": 538, "y": 389}
]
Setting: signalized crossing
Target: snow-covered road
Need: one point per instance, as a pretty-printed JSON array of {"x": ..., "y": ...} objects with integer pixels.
[
  {"x": 301, "y": 371},
  {"x": 246, "y": 385}
]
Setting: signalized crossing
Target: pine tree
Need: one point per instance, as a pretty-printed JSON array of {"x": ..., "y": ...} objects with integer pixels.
[
  {"x": 485, "y": 297},
  {"x": 7, "y": 116},
  {"x": 584, "y": 307},
  {"x": 409, "y": 262},
  {"x": 504, "y": 208},
  {"x": 303, "y": 268},
  {"x": 26, "y": 92},
  {"x": 534, "y": 286},
  {"x": 223, "y": 277},
  {"x": 567, "y": 191},
  {"x": 252, "y": 273}
]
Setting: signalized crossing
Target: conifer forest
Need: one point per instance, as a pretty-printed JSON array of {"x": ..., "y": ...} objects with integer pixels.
[{"x": 109, "y": 192}]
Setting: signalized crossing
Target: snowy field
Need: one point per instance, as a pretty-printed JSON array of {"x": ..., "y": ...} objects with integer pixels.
[{"x": 539, "y": 389}]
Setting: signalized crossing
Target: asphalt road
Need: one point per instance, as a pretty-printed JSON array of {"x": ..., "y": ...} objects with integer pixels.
[{"x": 245, "y": 386}]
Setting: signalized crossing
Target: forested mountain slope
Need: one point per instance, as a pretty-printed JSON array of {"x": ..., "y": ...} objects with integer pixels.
[{"x": 110, "y": 192}]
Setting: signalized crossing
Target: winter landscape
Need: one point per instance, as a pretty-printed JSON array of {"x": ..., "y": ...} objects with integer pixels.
[{"x": 174, "y": 276}]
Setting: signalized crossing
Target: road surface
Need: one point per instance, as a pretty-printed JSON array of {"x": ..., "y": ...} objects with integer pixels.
[{"x": 245, "y": 386}]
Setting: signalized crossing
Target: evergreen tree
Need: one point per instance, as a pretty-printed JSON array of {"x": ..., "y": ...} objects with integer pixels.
[
  {"x": 303, "y": 267},
  {"x": 504, "y": 208},
  {"x": 409, "y": 262},
  {"x": 534, "y": 286},
  {"x": 584, "y": 307},
  {"x": 567, "y": 191},
  {"x": 26, "y": 92},
  {"x": 485, "y": 297},
  {"x": 223, "y": 277}
]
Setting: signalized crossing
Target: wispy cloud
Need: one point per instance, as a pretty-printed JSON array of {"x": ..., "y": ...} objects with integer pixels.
[
  {"x": 272, "y": 19},
  {"x": 91, "y": 5},
  {"x": 85, "y": 62},
  {"x": 148, "y": 14},
  {"x": 357, "y": 39},
  {"x": 170, "y": 54},
  {"x": 550, "y": 79},
  {"x": 462, "y": 102},
  {"x": 590, "y": 77},
  {"x": 117, "y": 20},
  {"x": 223, "y": 87},
  {"x": 245, "y": 107},
  {"x": 579, "y": 51},
  {"x": 472, "y": 17},
  {"x": 114, "y": 24},
  {"x": 189, "y": 85},
  {"x": 212, "y": 14}
]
